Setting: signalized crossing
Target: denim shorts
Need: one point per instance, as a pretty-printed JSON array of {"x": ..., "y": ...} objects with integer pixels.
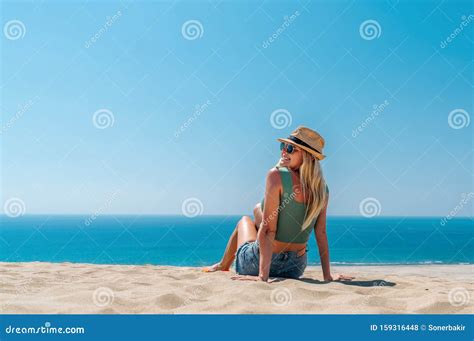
[{"x": 286, "y": 264}]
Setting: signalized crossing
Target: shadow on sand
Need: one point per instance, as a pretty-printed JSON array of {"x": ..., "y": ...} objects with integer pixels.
[{"x": 371, "y": 283}]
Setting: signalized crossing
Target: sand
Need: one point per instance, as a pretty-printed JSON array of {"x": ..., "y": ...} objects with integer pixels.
[{"x": 67, "y": 288}]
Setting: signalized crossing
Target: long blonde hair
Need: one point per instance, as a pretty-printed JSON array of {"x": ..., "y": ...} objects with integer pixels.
[{"x": 314, "y": 187}]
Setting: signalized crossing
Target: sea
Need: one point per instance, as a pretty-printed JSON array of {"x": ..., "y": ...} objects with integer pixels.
[{"x": 201, "y": 240}]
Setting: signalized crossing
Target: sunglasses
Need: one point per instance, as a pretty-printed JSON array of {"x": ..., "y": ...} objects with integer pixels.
[{"x": 289, "y": 148}]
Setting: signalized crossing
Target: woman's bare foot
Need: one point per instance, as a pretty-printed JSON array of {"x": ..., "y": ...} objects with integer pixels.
[{"x": 214, "y": 268}]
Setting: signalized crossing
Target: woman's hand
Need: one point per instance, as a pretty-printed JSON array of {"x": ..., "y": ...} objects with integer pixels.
[{"x": 338, "y": 277}]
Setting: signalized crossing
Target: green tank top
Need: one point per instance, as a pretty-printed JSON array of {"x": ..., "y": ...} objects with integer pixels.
[{"x": 291, "y": 213}]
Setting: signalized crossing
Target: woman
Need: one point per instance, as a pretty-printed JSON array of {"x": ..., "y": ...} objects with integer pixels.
[{"x": 296, "y": 198}]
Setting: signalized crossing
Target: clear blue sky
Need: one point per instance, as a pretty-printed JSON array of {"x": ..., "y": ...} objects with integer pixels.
[{"x": 319, "y": 67}]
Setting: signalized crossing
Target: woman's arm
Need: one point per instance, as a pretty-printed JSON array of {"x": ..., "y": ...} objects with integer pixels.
[
  {"x": 322, "y": 241},
  {"x": 267, "y": 231}
]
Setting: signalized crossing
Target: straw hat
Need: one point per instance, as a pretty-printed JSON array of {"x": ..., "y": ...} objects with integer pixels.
[{"x": 308, "y": 140}]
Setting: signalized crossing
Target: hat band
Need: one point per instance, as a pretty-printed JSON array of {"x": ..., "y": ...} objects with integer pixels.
[{"x": 298, "y": 141}]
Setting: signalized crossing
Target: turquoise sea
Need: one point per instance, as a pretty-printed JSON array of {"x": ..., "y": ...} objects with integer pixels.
[{"x": 177, "y": 240}]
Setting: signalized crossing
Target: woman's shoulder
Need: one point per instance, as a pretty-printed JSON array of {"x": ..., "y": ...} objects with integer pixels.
[
  {"x": 278, "y": 171},
  {"x": 273, "y": 176},
  {"x": 273, "y": 173}
]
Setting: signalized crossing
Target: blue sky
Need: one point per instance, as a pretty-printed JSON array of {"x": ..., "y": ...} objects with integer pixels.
[{"x": 192, "y": 112}]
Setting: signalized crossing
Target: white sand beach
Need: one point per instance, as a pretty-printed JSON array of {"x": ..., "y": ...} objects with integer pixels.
[{"x": 67, "y": 288}]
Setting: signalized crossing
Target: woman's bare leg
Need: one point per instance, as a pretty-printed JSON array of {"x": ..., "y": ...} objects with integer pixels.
[
  {"x": 231, "y": 248},
  {"x": 228, "y": 257},
  {"x": 258, "y": 215},
  {"x": 247, "y": 231}
]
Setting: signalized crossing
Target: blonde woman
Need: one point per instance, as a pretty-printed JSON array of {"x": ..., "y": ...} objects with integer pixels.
[{"x": 295, "y": 202}]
